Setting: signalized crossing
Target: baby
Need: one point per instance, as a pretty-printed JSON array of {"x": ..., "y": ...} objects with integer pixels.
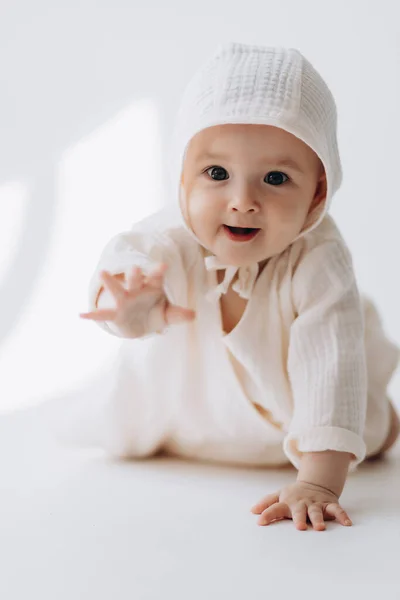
[{"x": 255, "y": 347}]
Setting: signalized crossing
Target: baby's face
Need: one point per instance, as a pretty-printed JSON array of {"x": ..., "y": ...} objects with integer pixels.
[{"x": 242, "y": 176}]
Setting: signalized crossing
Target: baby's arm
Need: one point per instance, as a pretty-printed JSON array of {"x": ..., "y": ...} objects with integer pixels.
[
  {"x": 326, "y": 366},
  {"x": 140, "y": 307},
  {"x": 326, "y": 361},
  {"x": 137, "y": 280},
  {"x": 327, "y": 469}
]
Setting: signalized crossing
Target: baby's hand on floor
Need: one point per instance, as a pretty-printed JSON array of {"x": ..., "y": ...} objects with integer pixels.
[
  {"x": 299, "y": 501},
  {"x": 142, "y": 307}
]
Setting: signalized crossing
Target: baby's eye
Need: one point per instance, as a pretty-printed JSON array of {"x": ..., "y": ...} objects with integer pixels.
[
  {"x": 276, "y": 178},
  {"x": 218, "y": 173}
]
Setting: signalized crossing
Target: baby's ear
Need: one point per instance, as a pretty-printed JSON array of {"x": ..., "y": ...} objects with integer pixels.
[{"x": 320, "y": 192}]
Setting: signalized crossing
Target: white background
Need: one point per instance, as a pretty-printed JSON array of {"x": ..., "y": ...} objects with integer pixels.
[{"x": 88, "y": 93}]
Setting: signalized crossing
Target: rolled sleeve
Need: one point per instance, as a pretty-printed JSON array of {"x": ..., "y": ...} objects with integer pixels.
[
  {"x": 326, "y": 360},
  {"x": 320, "y": 439}
]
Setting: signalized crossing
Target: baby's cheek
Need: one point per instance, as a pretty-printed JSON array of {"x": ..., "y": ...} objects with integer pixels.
[
  {"x": 285, "y": 218},
  {"x": 283, "y": 230},
  {"x": 200, "y": 206},
  {"x": 295, "y": 217}
]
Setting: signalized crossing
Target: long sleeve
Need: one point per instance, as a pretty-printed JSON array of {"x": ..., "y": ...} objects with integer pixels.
[
  {"x": 326, "y": 361},
  {"x": 146, "y": 244}
]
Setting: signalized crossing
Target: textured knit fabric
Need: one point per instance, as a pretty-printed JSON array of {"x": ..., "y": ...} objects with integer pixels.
[{"x": 289, "y": 378}]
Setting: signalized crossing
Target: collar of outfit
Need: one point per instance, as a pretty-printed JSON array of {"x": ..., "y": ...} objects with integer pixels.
[{"x": 243, "y": 285}]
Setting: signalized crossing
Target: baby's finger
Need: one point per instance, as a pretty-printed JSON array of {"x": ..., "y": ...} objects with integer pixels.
[
  {"x": 276, "y": 512},
  {"x": 112, "y": 283},
  {"x": 177, "y": 314},
  {"x": 135, "y": 279},
  {"x": 156, "y": 277},
  {"x": 299, "y": 516},
  {"x": 99, "y": 315},
  {"x": 316, "y": 516},
  {"x": 336, "y": 511},
  {"x": 265, "y": 503}
]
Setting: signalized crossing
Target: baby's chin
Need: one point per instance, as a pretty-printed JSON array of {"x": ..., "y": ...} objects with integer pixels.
[{"x": 241, "y": 257}]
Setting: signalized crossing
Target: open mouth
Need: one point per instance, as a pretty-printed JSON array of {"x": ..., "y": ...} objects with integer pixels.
[{"x": 241, "y": 234}]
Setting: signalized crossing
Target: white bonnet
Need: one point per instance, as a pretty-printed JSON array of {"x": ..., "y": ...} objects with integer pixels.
[{"x": 251, "y": 84}]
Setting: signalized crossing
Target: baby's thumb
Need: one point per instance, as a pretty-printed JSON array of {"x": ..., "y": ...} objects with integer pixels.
[{"x": 177, "y": 314}]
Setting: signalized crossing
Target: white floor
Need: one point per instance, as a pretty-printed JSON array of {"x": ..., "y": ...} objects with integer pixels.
[{"x": 75, "y": 526}]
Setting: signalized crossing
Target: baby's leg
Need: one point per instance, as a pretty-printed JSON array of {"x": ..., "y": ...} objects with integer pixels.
[
  {"x": 132, "y": 434},
  {"x": 392, "y": 436},
  {"x": 136, "y": 419},
  {"x": 382, "y": 422}
]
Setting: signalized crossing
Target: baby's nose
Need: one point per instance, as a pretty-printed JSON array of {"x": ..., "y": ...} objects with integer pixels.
[
  {"x": 244, "y": 197},
  {"x": 244, "y": 204}
]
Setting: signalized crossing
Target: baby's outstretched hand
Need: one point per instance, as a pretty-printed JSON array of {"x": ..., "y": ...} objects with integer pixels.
[
  {"x": 299, "y": 502},
  {"x": 142, "y": 306}
]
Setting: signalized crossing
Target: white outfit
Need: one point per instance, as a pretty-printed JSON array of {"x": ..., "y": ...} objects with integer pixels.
[{"x": 289, "y": 378}]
